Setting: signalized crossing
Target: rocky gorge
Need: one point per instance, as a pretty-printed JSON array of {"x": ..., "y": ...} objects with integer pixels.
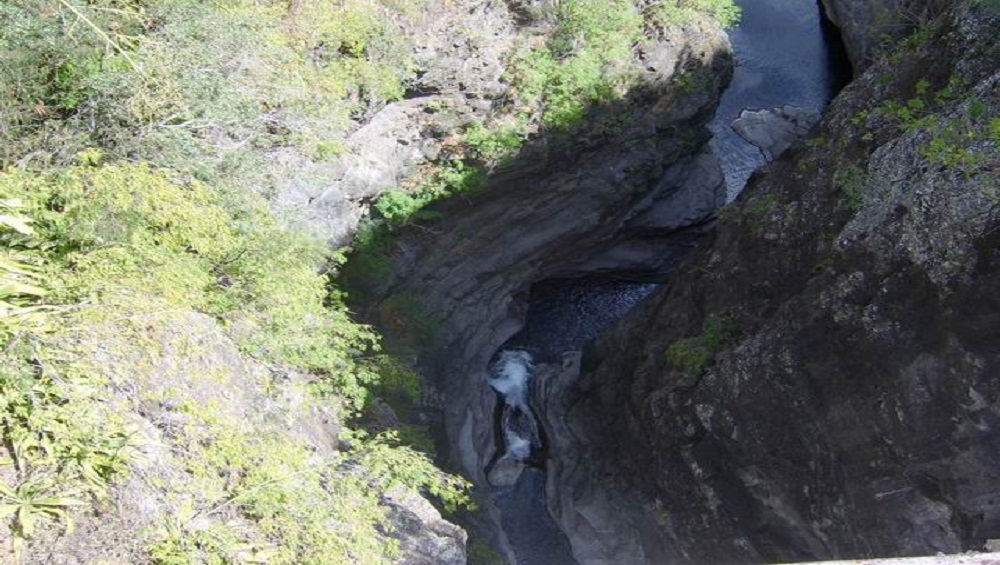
[{"x": 815, "y": 378}]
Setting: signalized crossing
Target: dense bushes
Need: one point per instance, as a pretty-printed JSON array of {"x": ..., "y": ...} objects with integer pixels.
[
  {"x": 118, "y": 234},
  {"x": 586, "y": 60},
  {"x": 124, "y": 242},
  {"x": 130, "y": 242},
  {"x": 134, "y": 138}
]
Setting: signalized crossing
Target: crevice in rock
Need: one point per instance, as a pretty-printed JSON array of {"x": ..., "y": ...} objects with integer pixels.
[{"x": 838, "y": 61}]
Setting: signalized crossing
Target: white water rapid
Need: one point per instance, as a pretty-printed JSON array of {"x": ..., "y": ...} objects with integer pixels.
[{"x": 510, "y": 377}]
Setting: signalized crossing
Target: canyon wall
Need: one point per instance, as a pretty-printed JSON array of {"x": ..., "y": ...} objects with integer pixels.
[{"x": 821, "y": 380}]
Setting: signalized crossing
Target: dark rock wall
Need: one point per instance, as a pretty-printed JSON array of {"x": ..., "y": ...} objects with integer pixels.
[
  {"x": 855, "y": 411},
  {"x": 870, "y": 25}
]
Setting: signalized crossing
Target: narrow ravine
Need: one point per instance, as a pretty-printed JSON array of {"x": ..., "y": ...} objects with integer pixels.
[
  {"x": 564, "y": 316},
  {"x": 785, "y": 55}
]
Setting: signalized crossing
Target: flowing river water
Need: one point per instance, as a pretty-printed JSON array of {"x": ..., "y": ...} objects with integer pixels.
[{"x": 785, "y": 53}]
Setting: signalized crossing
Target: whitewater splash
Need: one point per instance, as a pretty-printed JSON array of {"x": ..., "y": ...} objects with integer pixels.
[{"x": 510, "y": 376}]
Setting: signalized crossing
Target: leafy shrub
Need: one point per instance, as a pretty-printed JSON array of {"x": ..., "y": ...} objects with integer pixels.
[
  {"x": 217, "y": 252},
  {"x": 391, "y": 463},
  {"x": 693, "y": 355},
  {"x": 64, "y": 446},
  {"x": 493, "y": 146},
  {"x": 20, "y": 279},
  {"x": 851, "y": 180},
  {"x": 585, "y": 61}
]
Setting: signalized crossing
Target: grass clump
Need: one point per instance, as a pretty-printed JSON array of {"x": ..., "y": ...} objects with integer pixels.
[
  {"x": 206, "y": 88},
  {"x": 693, "y": 355},
  {"x": 668, "y": 13},
  {"x": 851, "y": 181}
]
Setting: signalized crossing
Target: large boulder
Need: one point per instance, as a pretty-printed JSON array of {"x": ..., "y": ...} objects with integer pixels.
[
  {"x": 774, "y": 130},
  {"x": 425, "y": 537}
]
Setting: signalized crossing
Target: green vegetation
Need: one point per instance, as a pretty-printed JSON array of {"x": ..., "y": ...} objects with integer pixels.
[
  {"x": 952, "y": 135},
  {"x": 851, "y": 181},
  {"x": 19, "y": 280},
  {"x": 33, "y": 501},
  {"x": 136, "y": 152},
  {"x": 953, "y": 140},
  {"x": 120, "y": 242},
  {"x": 668, "y": 13},
  {"x": 757, "y": 209},
  {"x": 694, "y": 354},
  {"x": 585, "y": 61},
  {"x": 102, "y": 228},
  {"x": 133, "y": 155},
  {"x": 918, "y": 111}
]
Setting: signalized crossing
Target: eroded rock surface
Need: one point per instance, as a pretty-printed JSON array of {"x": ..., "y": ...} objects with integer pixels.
[
  {"x": 460, "y": 53},
  {"x": 425, "y": 537},
  {"x": 822, "y": 381}
]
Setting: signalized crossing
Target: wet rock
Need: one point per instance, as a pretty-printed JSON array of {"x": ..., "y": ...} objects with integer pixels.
[
  {"x": 775, "y": 130},
  {"x": 505, "y": 472}
]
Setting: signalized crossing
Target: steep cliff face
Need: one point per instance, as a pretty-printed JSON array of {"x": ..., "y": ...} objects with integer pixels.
[{"x": 822, "y": 380}]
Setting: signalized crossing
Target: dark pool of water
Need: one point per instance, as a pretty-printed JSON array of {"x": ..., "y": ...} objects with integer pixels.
[
  {"x": 785, "y": 53},
  {"x": 565, "y": 314}
]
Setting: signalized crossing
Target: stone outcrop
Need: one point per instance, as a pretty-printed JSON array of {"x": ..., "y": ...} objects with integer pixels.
[
  {"x": 821, "y": 381},
  {"x": 776, "y": 129},
  {"x": 166, "y": 375},
  {"x": 460, "y": 53},
  {"x": 425, "y": 537}
]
